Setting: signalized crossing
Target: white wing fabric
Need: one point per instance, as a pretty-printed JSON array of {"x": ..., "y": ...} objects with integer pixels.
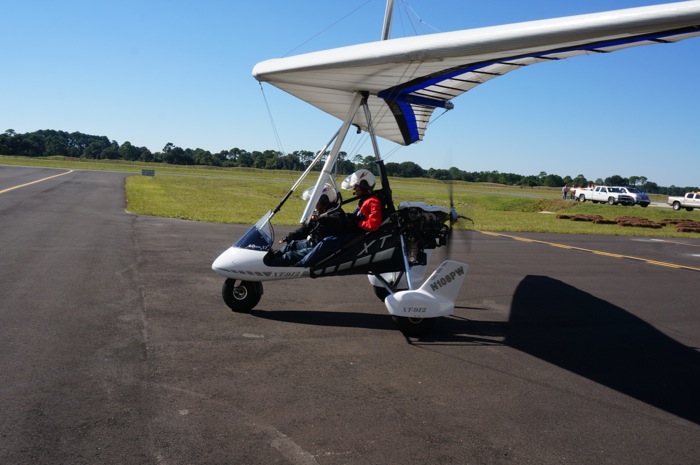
[{"x": 406, "y": 79}]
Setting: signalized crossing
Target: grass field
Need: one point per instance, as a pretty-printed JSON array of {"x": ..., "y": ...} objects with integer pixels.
[{"x": 236, "y": 195}]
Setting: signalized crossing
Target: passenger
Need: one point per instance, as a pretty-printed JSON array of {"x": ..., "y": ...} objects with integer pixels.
[
  {"x": 368, "y": 214},
  {"x": 328, "y": 219}
]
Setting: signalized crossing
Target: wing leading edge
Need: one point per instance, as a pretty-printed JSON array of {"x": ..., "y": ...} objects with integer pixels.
[{"x": 408, "y": 78}]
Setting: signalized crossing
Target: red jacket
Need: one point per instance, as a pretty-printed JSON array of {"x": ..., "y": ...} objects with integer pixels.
[{"x": 371, "y": 209}]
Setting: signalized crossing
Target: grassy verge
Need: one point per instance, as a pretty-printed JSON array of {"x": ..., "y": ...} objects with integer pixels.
[{"x": 234, "y": 195}]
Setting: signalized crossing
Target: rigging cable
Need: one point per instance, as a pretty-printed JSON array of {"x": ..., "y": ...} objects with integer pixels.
[
  {"x": 272, "y": 121},
  {"x": 410, "y": 12},
  {"x": 324, "y": 30}
]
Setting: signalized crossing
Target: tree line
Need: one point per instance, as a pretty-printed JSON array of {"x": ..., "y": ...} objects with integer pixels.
[{"x": 48, "y": 142}]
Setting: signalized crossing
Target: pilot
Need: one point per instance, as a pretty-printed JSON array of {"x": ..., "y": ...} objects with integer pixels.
[
  {"x": 328, "y": 219},
  {"x": 368, "y": 214}
]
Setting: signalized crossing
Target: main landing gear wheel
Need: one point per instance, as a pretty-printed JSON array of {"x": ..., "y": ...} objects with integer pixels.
[
  {"x": 414, "y": 327},
  {"x": 241, "y": 296},
  {"x": 380, "y": 292}
]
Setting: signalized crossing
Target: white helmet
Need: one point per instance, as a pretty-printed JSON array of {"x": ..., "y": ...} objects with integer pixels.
[
  {"x": 328, "y": 190},
  {"x": 358, "y": 176}
]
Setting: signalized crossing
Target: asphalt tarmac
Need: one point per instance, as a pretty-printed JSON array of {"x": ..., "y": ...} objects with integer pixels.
[{"x": 116, "y": 348}]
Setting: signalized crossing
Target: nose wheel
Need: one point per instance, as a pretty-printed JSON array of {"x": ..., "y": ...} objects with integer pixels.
[
  {"x": 414, "y": 327},
  {"x": 241, "y": 296}
]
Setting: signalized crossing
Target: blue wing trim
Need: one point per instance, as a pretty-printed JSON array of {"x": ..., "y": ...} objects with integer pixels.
[{"x": 403, "y": 99}]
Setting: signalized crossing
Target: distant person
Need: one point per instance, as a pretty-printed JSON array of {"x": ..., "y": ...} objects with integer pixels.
[
  {"x": 368, "y": 214},
  {"x": 565, "y": 192}
]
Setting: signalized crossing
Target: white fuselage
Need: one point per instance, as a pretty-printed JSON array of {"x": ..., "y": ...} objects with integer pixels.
[{"x": 248, "y": 265}]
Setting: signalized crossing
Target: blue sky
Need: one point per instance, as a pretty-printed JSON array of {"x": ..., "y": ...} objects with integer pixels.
[{"x": 154, "y": 71}]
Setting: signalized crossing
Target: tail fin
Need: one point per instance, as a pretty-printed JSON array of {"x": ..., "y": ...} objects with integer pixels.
[
  {"x": 447, "y": 280},
  {"x": 436, "y": 297}
]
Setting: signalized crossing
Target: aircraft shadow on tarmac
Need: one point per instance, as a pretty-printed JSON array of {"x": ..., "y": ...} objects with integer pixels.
[
  {"x": 567, "y": 327},
  {"x": 323, "y": 318},
  {"x": 593, "y": 338}
]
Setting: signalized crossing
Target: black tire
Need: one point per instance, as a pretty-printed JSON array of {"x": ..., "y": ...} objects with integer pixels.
[
  {"x": 581, "y": 198},
  {"x": 644, "y": 205},
  {"x": 414, "y": 327},
  {"x": 380, "y": 292},
  {"x": 241, "y": 298},
  {"x": 690, "y": 209},
  {"x": 611, "y": 201},
  {"x": 676, "y": 206}
]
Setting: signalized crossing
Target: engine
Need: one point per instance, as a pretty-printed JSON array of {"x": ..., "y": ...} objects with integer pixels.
[{"x": 423, "y": 227}]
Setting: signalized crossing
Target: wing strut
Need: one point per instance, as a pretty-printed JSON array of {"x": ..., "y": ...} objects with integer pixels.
[
  {"x": 385, "y": 192},
  {"x": 388, "y": 13},
  {"x": 318, "y": 156},
  {"x": 332, "y": 157},
  {"x": 360, "y": 99}
]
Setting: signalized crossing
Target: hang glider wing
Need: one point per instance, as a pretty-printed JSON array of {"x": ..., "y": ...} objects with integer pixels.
[{"x": 406, "y": 79}]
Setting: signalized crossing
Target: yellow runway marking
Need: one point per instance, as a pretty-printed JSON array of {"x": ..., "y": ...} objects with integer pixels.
[
  {"x": 34, "y": 182},
  {"x": 597, "y": 252}
]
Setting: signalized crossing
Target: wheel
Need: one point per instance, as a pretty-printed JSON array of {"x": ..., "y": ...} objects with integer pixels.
[
  {"x": 676, "y": 206},
  {"x": 414, "y": 327},
  {"x": 242, "y": 297},
  {"x": 690, "y": 209},
  {"x": 581, "y": 198},
  {"x": 644, "y": 205},
  {"x": 380, "y": 292},
  {"x": 611, "y": 201}
]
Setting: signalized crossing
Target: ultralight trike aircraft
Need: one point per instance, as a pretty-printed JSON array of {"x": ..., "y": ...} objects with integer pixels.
[{"x": 390, "y": 89}]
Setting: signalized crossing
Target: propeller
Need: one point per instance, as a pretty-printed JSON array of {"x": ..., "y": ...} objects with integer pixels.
[{"x": 455, "y": 217}]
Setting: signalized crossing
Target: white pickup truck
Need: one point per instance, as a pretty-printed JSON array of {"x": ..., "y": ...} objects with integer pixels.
[
  {"x": 604, "y": 194},
  {"x": 689, "y": 201}
]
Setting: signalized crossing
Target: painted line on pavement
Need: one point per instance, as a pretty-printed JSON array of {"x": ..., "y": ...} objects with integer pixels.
[
  {"x": 34, "y": 182},
  {"x": 595, "y": 252}
]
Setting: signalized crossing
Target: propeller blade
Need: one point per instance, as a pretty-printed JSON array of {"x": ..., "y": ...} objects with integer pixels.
[{"x": 455, "y": 217}]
